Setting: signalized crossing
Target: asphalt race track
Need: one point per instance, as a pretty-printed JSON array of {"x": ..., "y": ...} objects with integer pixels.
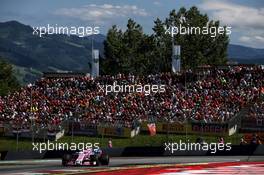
[{"x": 122, "y": 165}]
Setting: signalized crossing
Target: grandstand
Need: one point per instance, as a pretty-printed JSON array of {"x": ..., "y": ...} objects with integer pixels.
[{"x": 210, "y": 101}]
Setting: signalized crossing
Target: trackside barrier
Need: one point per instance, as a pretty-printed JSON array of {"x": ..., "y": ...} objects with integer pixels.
[
  {"x": 38, "y": 133},
  {"x": 212, "y": 129},
  {"x": 116, "y": 131},
  {"x": 81, "y": 128},
  {"x": 185, "y": 153},
  {"x": 259, "y": 151},
  {"x": 142, "y": 151},
  {"x": 20, "y": 155},
  {"x": 114, "y": 152},
  {"x": 56, "y": 153},
  {"x": 237, "y": 150},
  {"x": 163, "y": 127},
  {"x": 88, "y": 129}
]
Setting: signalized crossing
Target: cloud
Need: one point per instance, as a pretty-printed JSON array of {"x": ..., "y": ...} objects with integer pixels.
[
  {"x": 157, "y": 3},
  {"x": 254, "y": 41},
  {"x": 246, "y": 21},
  {"x": 245, "y": 39},
  {"x": 234, "y": 14},
  {"x": 100, "y": 13}
]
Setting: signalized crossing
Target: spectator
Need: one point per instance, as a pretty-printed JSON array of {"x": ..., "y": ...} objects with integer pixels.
[{"x": 110, "y": 144}]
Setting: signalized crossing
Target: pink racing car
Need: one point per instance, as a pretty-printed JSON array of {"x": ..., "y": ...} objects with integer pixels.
[{"x": 88, "y": 157}]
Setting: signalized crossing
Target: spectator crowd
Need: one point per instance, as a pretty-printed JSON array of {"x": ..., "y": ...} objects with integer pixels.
[
  {"x": 256, "y": 114},
  {"x": 212, "y": 95}
]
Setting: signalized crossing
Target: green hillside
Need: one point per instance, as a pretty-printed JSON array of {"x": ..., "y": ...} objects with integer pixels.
[{"x": 33, "y": 54}]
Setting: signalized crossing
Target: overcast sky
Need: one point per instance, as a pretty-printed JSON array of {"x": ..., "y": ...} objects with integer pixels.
[{"x": 246, "y": 17}]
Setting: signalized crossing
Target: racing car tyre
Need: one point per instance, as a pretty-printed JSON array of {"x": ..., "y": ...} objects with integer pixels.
[
  {"x": 65, "y": 159},
  {"x": 95, "y": 159},
  {"x": 104, "y": 159}
]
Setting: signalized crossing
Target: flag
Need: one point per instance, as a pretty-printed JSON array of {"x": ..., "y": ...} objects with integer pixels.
[{"x": 152, "y": 129}]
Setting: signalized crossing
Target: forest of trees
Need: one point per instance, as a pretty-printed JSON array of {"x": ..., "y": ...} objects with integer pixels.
[
  {"x": 133, "y": 51},
  {"x": 8, "y": 82}
]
